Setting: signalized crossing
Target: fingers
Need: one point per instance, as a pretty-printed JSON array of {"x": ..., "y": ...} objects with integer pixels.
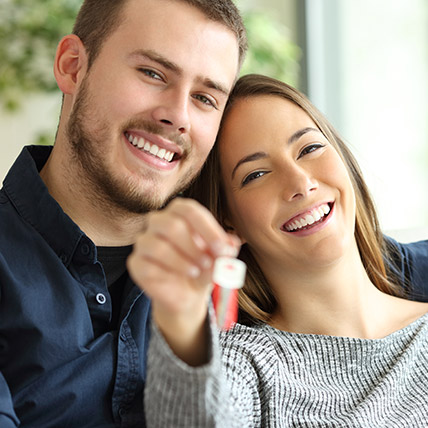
[
  {"x": 172, "y": 258},
  {"x": 203, "y": 224},
  {"x": 172, "y": 262},
  {"x": 177, "y": 293},
  {"x": 179, "y": 243},
  {"x": 189, "y": 237}
]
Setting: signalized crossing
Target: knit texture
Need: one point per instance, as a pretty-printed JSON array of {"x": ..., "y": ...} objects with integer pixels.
[{"x": 273, "y": 378}]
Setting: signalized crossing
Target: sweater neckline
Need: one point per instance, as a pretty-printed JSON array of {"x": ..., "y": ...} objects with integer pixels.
[{"x": 404, "y": 331}]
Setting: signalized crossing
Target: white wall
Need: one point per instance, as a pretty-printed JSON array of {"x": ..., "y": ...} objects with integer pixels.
[
  {"x": 368, "y": 70},
  {"x": 38, "y": 114}
]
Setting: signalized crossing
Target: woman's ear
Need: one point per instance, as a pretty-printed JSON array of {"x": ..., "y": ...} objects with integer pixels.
[
  {"x": 70, "y": 63},
  {"x": 230, "y": 229}
]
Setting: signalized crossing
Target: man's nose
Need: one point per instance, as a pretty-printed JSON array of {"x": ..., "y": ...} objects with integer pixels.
[{"x": 172, "y": 111}]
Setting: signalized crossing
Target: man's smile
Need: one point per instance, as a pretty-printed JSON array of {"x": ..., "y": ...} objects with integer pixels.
[{"x": 151, "y": 148}]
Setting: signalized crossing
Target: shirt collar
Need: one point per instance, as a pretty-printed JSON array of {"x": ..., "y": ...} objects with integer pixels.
[{"x": 30, "y": 197}]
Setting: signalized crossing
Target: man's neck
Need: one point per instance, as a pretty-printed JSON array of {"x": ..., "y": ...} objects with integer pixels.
[{"x": 104, "y": 224}]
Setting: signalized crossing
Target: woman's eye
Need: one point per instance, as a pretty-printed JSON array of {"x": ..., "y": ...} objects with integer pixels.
[
  {"x": 253, "y": 176},
  {"x": 309, "y": 149},
  {"x": 150, "y": 73}
]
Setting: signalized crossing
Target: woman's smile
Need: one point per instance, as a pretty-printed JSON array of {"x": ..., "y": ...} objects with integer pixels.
[{"x": 310, "y": 221}]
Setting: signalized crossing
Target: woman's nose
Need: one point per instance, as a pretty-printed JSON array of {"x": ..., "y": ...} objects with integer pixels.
[{"x": 300, "y": 183}]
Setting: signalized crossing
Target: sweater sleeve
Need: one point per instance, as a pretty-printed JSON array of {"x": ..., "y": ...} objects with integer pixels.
[{"x": 177, "y": 395}]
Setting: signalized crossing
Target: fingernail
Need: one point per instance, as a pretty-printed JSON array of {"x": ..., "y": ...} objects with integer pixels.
[
  {"x": 218, "y": 248},
  {"x": 200, "y": 243},
  {"x": 221, "y": 249},
  {"x": 232, "y": 251},
  {"x": 206, "y": 262},
  {"x": 194, "y": 271}
]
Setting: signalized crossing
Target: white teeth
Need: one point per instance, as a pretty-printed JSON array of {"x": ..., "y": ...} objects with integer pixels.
[
  {"x": 154, "y": 149},
  {"x": 310, "y": 218},
  {"x": 151, "y": 148}
]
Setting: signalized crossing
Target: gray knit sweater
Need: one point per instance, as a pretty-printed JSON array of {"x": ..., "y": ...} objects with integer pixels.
[{"x": 272, "y": 378}]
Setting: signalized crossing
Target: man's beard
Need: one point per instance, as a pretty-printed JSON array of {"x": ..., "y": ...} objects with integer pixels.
[{"x": 103, "y": 186}]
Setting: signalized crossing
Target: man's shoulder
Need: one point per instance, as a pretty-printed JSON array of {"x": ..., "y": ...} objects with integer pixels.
[
  {"x": 409, "y": 262},
  {"x": 408, "y": 251}
]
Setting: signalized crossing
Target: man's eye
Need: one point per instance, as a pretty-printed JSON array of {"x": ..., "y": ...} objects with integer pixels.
[
  {"x": 309, "y": 149},
  {"x": 150, "y": 73},
  {"x": 205, "y": 100},
  {"x": 254, "y": 175}
]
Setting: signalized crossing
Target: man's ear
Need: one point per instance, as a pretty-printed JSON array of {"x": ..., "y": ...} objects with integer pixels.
[
  {"x": 70, "y": 62},
  {"x": 230, "y": 229}
]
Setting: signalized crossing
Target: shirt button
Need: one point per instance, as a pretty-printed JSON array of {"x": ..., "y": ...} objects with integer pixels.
[
  {"x": 122, "y": 411},
  {"x": 85, "y": 249},
  {"x": 63, "y": 258},
  {"x": 101, "y": 299}
]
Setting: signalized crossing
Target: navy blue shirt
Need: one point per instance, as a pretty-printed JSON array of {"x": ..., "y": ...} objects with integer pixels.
[
  {"x": 55, "y": 370},
  {"x": 60, "y": 364}
]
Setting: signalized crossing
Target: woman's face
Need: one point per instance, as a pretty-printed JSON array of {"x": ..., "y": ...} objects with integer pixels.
[{"x": 289, "y": 194}]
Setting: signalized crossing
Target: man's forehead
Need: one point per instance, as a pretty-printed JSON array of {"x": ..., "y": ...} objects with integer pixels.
[{"x": 181, "y": 38}]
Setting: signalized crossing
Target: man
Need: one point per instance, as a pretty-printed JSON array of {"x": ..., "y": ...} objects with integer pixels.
[{"x": 144, "y": 83}]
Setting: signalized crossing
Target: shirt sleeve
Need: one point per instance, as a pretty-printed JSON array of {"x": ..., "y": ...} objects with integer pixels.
[
  {"x": 410, "y": 264},
  {"x": 177, "y": 395},
  {"x": 8, "y": 418}
]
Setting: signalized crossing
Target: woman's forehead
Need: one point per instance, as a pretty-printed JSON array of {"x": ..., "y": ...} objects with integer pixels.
[{"x": 261, "y": 117}]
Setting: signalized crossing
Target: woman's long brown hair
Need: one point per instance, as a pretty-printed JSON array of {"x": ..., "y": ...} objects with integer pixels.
[{"x": 256, "y": 301}]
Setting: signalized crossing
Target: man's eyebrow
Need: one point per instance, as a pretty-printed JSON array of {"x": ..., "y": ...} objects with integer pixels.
[
  {"x": 209, "y": 83},
  {"x": 249, "y": 158},
  {"x": 175, "y": 68},
  {"x": 156, "y": 57}
]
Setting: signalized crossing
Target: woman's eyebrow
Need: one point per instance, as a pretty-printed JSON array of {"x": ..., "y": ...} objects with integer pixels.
[
  {"x": 249, "y": 158},
  {"x": 262, "y": 155},
  {"x": 299, "y": 133}
]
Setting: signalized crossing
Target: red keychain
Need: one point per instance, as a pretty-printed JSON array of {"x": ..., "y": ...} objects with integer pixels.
[{"x": 228, "y": 278}]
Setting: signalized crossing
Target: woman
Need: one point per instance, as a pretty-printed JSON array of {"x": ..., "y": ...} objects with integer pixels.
[{"x": 325, "y": 338}]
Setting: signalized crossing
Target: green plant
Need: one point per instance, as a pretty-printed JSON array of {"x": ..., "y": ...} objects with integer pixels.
[
  {"x": 271, "y": 50},
  {"x": 29, "y": 33}
]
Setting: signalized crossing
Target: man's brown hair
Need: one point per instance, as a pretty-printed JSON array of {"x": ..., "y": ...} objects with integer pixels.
[{"x": 98, "y": 19}]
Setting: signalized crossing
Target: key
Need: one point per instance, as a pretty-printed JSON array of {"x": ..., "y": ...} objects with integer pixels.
[{"x": 228, "y": 278}]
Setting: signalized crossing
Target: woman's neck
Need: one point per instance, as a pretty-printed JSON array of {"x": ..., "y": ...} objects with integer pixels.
[{"x": 337, "y": 300}]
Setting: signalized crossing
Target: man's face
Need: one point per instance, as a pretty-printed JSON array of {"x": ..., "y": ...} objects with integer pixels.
[{"x": 147, "y": 113}]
